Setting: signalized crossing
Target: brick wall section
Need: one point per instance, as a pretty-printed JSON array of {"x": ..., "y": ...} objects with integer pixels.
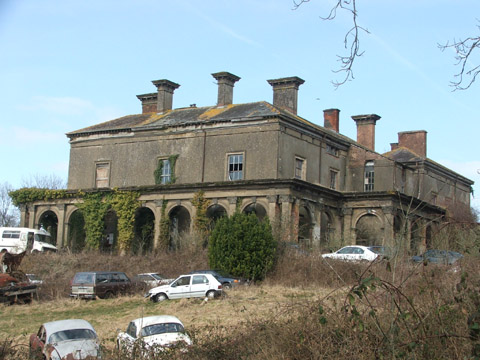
[{"x": 415, "y": 141}]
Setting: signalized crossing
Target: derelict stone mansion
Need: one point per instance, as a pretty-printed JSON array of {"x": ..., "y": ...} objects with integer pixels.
[{"x": 321, "y": 186}]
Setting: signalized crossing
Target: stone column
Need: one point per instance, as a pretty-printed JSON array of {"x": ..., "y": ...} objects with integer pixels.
[
  {"x": 61, "y": 226},
  {"x": 232, "y": 201},
  {"x": 388, "y": 231}
]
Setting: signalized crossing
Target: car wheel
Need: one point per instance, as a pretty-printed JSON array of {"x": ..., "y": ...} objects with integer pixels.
[
  {"x": 108, "y": 295},
  {"x": 160, "y": 297},
  {"x": 211, "y": 294},
  {"x": 227, "y": 286}
]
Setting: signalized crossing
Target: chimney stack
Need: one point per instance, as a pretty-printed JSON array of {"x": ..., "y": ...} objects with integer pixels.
[
  {"x": 366, "y": 129},
  {"x": 165, "y": 94},
  {"x": 149, "y": 102},
  {"x": 415, "y": 141},
  {"x": 225, "y": 81},
  {"x": 331, "y": 119},
  {"x": 285, "y": 93},
  {"x": 393, "y": 146}
]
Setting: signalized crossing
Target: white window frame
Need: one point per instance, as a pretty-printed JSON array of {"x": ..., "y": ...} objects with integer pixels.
[
  {"x": 166, "y": 177},
  {"x": 369, "y": 176},
  {"x": 235, "y": 166}
]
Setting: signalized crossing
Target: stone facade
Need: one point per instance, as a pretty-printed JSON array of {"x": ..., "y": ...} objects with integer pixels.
[{"x": 317, "y": 186}]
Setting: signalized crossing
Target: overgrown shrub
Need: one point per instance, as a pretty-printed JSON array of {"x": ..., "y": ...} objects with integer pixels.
[{"x": 242, "y": 245}]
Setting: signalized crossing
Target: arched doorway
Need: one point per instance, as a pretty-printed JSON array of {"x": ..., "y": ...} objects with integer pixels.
[
  {"x": 49, "y": 222},
  {"x": 144, "y": 231},
  {"x": 304, "y": 227},
  {"x": 369, "y": 231},
  {"x": 214, "y": 213},
  {"x": 110, "y": 232},
  {"x": 257, "y": 209},
  {"x": 326, "y": 230},
  {"x": 179, "y": 225},
  {"x": 76, "y": 232}
]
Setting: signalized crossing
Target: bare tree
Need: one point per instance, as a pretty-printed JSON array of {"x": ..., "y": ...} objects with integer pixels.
[
  {"x": 41, "y": 181},
  {"x": 8, "y": 213},
  {"x": 464, "y": 48},
  {"x": 351, "y": 40}
]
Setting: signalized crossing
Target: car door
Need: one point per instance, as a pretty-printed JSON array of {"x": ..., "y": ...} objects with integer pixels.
[
  {"x": 37, "y": 342},
  {"x": 180, "y": 288},
  {"x": 127, "y": 339},
  {"x": 200, "y": 285}
]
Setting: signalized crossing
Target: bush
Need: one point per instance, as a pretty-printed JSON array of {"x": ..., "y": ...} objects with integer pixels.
[{"x": 243, "y": 246}]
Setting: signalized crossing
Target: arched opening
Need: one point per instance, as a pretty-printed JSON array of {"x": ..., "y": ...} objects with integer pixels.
[
  {"x": 214, "y": 213},
  {"x": 76, "y": 232},
  {"x": 415, "y": 237},
  {"x": 304, "y": 226},
  {"x": 428, "y": 237},
  {"x": 257, "y": 209},
  {"x": 110, "y": 232},
  {"x": 49, "y": 222},
  {"x": 179, "y": 225},
  {"x": 326, "y": 230},
  {"x": 144, "y": 231},
  {"x": 368, "y": 230}
]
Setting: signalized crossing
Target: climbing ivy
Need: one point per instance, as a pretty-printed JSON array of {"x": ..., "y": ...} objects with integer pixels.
[
  {"x": 93, "y": 209},
  {"x": 201, "y": 222},
  {"x": 29, "y": 195},
  {"x": 157, "y": 174},
  {"x": 125, "y": 204},
  {"x": 164, "y": 236}
]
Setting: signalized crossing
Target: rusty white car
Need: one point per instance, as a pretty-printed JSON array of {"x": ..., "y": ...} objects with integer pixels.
[
  {"x": 153, "y": 333},
  {"x": 72, "y": 339},
  {"x": 353, "y": 253}
]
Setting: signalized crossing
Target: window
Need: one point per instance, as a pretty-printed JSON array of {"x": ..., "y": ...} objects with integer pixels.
[
  {"x": 333, "y": 179},
  {"x": 299, "y": 168},
  {"x": 369, "y": 176},
  {"x": 332, "y": 150},
  {"x": 235, "y": 167},
  {"x": 102, "y": 175},
  {"x": 199, "y": 279}
]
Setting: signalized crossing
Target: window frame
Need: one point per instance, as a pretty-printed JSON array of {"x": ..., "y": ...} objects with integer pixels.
[
  {"x": 369, "y": 176},
  {"x": 331, "y": 149},
  {"x": 98, "y": 166},
  {"x": 334, "y": 172},
  {"x": 238, "y": 171},
  {"x": 303, "y": 168}
]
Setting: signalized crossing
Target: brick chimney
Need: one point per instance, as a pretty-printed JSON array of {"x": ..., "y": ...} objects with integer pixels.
[
  {"x": 393, "y": 146},
  {"x": 331, "y": 119},
  {"x": 285, "y": 93},
  {"x": 366, "y": 129},
  {"x": 415, "y": 141},
  {"x": 225, "y": 81},
  {"x": 165, "y": 94},
  {"x": 149, "y": 102}
]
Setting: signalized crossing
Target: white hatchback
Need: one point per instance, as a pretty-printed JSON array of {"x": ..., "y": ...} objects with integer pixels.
[
  {"x": 353, "y": 253},
  {"x": 153, "y": 333},
  {"x": 187, "y": 286}
]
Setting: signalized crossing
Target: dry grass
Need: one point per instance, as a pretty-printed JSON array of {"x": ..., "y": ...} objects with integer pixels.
[{"x": 306, "y": 309}]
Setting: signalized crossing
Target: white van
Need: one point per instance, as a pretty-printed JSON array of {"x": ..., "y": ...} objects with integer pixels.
[{"x": 16, "y": 240}]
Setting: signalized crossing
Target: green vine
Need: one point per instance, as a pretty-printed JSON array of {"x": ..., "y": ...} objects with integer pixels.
[
  {"x": 157, "y": 174},
  {"x": 125, "y": 204},
  {"x": 164, "y": 236},
  {"x": 201, "y": 222},
  {"x": 93, "y": 209},
  {"x": 30, "y": 195}
]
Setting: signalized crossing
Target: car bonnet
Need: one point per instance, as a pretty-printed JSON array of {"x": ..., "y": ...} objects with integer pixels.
[
  {"x": 166, "y": 339},
  {"x": 80, "y": 349}
]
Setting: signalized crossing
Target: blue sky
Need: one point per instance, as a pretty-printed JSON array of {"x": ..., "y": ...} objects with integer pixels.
[{"x": 68, "y": 64}]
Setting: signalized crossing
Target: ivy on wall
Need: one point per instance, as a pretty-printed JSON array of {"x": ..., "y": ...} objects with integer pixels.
[
  {"x": 93, "y": 209},
  {"x": 125, "y": 204},
  {"x": 164, "y": 236},
  {"x": 201, "y": 222},
  {"x": 157, "y": 174},
  {"x": 27, "y": 195}
]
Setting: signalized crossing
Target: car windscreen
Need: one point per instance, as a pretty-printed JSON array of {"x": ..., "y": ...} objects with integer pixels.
[
  {"x": 157, "y": 277},
  {"x": 73, "y": 334},
  {"x": 163, "y": 328},
  {"x": 83, "y": 278}
]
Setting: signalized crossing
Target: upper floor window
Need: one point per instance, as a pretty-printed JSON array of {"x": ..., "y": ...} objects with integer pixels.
[
  {"x": 369, "y": 176},
  {"x": 332, "y": 150},
  {"x": 165, "y": 172},
  {"x": 333, "y": 179},
  {"x": 102, "y": 175},
  {"x": 299, "y": 168},
  {"x": 235, "y": 167}
]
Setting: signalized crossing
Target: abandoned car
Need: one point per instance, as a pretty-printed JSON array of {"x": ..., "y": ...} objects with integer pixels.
[
  {"x": 101, "y": 284},
  {"x": 65, "y": 339},
  {"x": 187, "y": 286},
  {"x": 153, "y": 333}
]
